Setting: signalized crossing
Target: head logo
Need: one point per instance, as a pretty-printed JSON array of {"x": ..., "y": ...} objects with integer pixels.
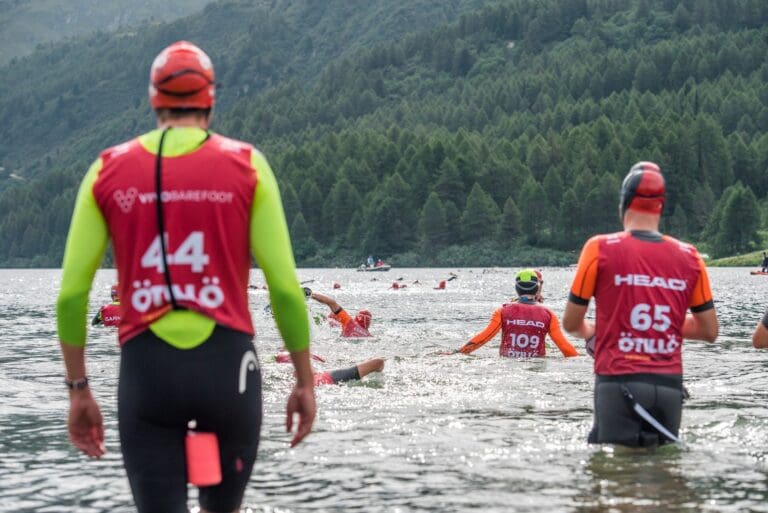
[{"x": 125, "y": 199}]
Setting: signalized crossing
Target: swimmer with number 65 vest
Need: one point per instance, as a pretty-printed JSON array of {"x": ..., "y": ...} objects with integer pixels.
[
  {"x": 643, "y": 283},
  {"x": 524, "y": 323}
]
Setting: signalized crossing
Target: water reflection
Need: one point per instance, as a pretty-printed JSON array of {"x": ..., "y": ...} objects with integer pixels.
[{"x": 637, "y": 481}]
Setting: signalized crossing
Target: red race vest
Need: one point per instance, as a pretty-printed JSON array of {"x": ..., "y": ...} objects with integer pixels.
[
  {"x": 354, "y": 330},
  {"x": 207, "y": 197},
  {"x": 110, "y": 314},
  {"x": 523, "y": 330},
  {"x": 642, "y": 294}
]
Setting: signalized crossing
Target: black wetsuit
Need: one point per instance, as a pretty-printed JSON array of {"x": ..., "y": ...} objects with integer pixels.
[
  {"x": 342, "y": 375},
  {"x": 616, "y": 422},
  {"x": 161, "y": 389}
]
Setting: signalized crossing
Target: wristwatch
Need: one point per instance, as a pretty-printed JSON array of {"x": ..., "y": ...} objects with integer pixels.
[{"x": 76, "y": 384}]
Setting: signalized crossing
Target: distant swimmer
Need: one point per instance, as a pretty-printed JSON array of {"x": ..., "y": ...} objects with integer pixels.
[
  {"x": 643, "y": 283},
  {"x": 356, "y": 326},
  {"x": 109, "y": 315},
  {"x": 524, "y": 324},
  {"x": 764, "y": 265},
  {"x": 336, "y": 376},
  {"x": 443, "y": 283}
]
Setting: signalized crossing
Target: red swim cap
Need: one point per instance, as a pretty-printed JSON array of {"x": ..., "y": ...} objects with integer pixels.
[
  {"x": 643, "y": 190},
  {"x": 182, "y": 78},
  {"x": 363, "y": 318}
]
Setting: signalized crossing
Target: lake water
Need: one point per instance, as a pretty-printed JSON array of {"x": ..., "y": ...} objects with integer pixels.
[{"x": 431, "y": 433}]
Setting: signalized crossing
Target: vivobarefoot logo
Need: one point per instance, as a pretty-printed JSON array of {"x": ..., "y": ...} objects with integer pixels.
[{"x": 125, "y": 199}]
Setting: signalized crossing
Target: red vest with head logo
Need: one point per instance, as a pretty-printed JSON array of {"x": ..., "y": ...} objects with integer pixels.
[
  {"x": 524, "y": 327},
  {"x": 642, "y": 294},
  {"x": 110, "y": 314},
  {"x": 207, "y": 197}
]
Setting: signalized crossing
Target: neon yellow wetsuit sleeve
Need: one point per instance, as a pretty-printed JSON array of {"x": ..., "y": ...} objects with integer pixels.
[
  {"x": 86, "y": 243},
  {"x": 271, "y": 245}
]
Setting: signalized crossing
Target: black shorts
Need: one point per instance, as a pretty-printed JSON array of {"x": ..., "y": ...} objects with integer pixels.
[
  {"x": 342, "y": 375},
  {"x": 161, "y": 388},
  {"x": 617, "y": 423}
]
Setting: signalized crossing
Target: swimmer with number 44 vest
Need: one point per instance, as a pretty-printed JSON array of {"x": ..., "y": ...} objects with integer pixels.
[
  {"x": 524, "y": 324},
  {"x": 643, "y": 283},
  {"x": 185, "y": 209}
]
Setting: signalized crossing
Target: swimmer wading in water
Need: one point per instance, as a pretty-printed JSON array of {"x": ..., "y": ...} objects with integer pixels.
[
  {"x": 524, "y": 324},
  {"x": 643, "y": 283},
  {"x": 184, "y": 208}
]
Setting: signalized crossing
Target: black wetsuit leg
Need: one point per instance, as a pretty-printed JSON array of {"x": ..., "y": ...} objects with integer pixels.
[
  {"x": 342, "y": 375},
  {"x": 161, "y": 388},
  {"x": 617, "y": 423}
]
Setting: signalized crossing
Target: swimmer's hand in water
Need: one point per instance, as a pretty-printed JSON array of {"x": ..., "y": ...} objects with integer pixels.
[{"x": 307, "y": 291}]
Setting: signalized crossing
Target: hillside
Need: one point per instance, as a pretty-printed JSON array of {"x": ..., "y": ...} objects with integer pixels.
[
  {"x": 25, "y": 24},
  {"x": 496, "y": 137},
  {"x": 64, "y": 93}
]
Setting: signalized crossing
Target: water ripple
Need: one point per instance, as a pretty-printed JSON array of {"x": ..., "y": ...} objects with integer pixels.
[{"x": 432, "y": 433}]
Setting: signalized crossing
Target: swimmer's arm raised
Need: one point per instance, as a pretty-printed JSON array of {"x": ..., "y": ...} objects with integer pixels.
[{"x": 326, "y": 300}]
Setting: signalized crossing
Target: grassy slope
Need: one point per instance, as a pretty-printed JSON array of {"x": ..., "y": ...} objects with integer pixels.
[{"x": 753, "y": 259}]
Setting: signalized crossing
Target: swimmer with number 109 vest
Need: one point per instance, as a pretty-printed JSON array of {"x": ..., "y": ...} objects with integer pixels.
[{"x": 524, "y": 323}]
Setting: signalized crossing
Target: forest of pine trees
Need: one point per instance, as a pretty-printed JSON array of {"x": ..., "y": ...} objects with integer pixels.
[{"x": 498, "y": 139}]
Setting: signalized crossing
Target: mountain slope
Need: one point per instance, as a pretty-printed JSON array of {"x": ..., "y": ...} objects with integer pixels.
[
  {"x": 510, "y": 127},
  {"x": 61, "y": 94},
  {"x": 25, "y": 24}
]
